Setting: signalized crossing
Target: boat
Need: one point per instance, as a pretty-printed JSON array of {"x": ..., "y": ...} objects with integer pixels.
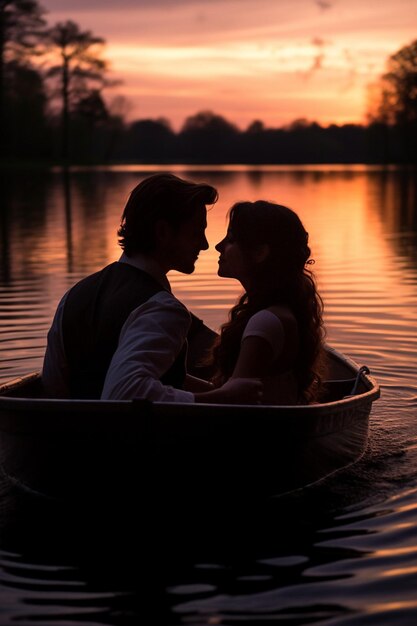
[{"x": 93, "y": 449}]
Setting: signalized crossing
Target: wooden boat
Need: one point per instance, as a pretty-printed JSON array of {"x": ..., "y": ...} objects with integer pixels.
[{"x": 92, "y": 449}]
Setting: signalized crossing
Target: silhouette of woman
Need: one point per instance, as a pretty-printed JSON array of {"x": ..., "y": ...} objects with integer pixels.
[{"x": 275, "y": 331}]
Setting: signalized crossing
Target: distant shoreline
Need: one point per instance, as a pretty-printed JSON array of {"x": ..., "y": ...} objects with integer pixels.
[{"x": 199, "y": 165}]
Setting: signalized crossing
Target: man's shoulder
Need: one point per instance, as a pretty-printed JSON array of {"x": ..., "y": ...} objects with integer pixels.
[
  {"x": 120, "y": 279},
  {"x": 93, "y": 277},
  {"x": 167, "y": 301},
  {"x": 162, "y": 312},
  {"x": 122, "y": 271}
]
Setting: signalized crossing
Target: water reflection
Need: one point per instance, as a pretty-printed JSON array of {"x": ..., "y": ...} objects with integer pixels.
[
  {"x": 21, "y": 217},
  {"x": 59, "y": 563},
  {"x": 57, "y": 227},
  {"x": 66, "y": 183},
  {"x": 5, "y": 269},
  {"x": 342, "y": 574},
  {"x": 394, "y": 196},
  {"x": 81, "y": 210}
]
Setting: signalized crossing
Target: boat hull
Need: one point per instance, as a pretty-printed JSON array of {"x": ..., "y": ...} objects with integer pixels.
[{"x": 72, "y": 449}]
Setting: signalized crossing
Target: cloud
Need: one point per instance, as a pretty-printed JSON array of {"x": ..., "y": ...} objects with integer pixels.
[
  {"x": 324, "y": 4},
  {"x": 352, "y": 73},
  {"x": 318, "y": 41},
  {"x": 318, "y": 58},
  {"x": 100, "y": 5}
]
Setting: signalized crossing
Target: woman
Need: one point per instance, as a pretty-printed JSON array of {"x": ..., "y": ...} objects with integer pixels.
[{"x": 275, "y": 331}]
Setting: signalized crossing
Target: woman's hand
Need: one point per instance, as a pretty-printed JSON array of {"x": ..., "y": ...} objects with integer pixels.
[{"x": 242, "y": 391}]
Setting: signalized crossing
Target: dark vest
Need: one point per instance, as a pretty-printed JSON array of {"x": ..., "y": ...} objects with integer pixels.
[{"x": 94, "y": 313}]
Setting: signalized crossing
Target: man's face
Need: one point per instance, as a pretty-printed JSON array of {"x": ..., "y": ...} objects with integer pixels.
[{"x": 187, "y": 241}]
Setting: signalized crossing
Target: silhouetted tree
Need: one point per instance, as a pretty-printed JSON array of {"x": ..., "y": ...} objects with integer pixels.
[
  {"x": 395, "y": 118},
  {"x": 399, "y": 86},
  {"x": 256, "y": 127},
  {"x": 89, "y": 117},
  {"x": 80, "y": 71},
  {"x": 21, "y": 24},
  {"x": 210, "y": 136},
  {"x": 25, "y": 127},
  {"x": 92, "y": 107},
  {"x": 150, "y": 141}
]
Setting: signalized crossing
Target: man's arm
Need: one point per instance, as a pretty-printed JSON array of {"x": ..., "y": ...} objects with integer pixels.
[{"x": 150, "y": 341}]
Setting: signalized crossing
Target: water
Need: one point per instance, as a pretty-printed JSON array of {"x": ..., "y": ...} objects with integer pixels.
[{"x": 343, "y": 552}]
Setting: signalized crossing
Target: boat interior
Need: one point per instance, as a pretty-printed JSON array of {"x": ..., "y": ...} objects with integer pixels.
[{"x": 342, "y": 380}]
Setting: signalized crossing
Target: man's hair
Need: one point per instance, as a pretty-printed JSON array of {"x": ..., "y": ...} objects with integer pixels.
[{"x": 161, "y": 196}]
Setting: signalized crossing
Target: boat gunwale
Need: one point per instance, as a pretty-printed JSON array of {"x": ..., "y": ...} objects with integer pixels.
[{"x": 65, "y": 405}]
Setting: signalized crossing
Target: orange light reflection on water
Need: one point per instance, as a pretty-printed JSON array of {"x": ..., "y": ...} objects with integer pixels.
[
  {"x": 346, "y": 237},
  {"x": 351, "y": 212},
  {"x": 382, "y": 607}
]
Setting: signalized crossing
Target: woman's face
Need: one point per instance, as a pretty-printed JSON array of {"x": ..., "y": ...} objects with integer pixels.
[{"x": 233, "y": 263}]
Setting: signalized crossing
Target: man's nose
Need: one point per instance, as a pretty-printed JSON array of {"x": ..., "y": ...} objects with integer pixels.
[
  {"x": 218, "y": 246},
  {"x": 204, "y": 243}
]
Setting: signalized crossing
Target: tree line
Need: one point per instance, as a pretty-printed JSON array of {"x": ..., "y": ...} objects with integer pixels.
[
  {"x": 52, "y": 109},
  {"x": 51, "y": 88}
]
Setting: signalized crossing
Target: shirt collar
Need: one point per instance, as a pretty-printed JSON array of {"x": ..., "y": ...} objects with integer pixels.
[{"x": 148, "y": 265}]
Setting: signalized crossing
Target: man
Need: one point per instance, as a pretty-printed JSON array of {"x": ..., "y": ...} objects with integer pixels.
[{"x": 120, "y": 333}]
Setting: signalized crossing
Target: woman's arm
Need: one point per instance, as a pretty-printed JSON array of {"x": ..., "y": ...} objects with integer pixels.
[
  {"x": 261, "y": 346},
  {"x": 255, "y": 358}
]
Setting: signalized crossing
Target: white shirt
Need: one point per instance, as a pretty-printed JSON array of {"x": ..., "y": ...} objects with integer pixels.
[{"x": 149, "y": 342}]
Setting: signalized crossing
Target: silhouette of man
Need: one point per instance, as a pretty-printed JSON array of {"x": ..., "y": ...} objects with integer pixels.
[{"x": 120, "y": 333}]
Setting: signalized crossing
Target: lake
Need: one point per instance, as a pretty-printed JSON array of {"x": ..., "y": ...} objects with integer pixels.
[{"x": 343, "y": 552}]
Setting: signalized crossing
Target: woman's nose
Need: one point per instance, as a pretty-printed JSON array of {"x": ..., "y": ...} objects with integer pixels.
[
  {"x": 218, "y": 246},
  {"x": 205, "y": 243}
]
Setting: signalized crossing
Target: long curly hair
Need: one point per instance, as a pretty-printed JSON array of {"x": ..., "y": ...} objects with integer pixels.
[{"x": 284, "y": 277}]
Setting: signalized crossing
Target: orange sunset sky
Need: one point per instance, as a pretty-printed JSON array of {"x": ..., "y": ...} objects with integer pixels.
[{"x": 273, "y": 60}]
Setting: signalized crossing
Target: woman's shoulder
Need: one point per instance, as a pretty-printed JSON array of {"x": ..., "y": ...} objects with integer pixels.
[
  {"x": 265, "y": 316},
  {"x": 282, "y": 312},
  {"x": 276, "y": 315},
  {"x": 267, "y": 325}
]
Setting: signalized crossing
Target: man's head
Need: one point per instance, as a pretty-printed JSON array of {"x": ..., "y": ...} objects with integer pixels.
[{"x": 166, "y": 216}]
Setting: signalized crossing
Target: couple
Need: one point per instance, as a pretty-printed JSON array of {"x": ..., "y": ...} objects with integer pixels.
[{"x": 121, "y": 334}]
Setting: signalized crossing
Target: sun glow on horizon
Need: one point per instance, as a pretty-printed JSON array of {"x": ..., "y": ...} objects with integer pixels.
[
  {"x": 275, "y": 62},
  {"x": 218, "y": 79}
]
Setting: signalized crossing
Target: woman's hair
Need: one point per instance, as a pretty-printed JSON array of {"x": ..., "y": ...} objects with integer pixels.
[
  {"x": 161, "y": 196},
  {"x": 283, "y": 277}
]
